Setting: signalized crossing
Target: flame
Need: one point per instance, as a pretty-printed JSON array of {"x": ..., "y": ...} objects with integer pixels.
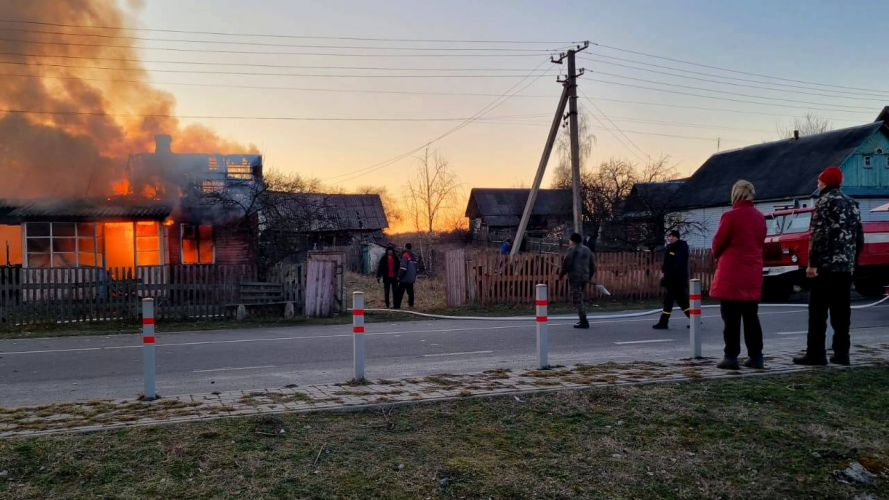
[{"x": 84, "y": 155}]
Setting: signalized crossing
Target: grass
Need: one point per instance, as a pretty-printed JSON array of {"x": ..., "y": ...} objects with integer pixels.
[{"x": 764, "y": 437}]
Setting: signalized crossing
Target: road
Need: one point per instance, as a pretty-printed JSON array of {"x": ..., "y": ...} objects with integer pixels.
[{"x": 47, "y": 370}]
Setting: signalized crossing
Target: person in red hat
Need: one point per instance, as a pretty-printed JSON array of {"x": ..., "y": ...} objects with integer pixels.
[{"x": 835, "y": 242}]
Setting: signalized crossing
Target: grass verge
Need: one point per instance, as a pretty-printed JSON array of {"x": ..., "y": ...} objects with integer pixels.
[{"x": 769, "y": 437}]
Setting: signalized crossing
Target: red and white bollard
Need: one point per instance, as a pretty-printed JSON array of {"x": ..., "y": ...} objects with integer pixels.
[
  {"x": 542, "y": 327},
  {"x": 358, "y": 334},
  {"x": 148, "y": 348},
  {"x": 694, "y": 317}
]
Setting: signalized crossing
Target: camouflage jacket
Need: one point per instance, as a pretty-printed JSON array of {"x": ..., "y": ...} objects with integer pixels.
[{"x": 837, "y": 236}]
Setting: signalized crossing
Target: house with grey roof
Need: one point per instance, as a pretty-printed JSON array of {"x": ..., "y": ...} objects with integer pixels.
[
  {"x": 494, "y": 213},
  {"x": 785, "y": 174}
]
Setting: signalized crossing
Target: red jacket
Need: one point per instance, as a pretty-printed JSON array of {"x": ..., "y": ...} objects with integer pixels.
[{"x": 737, "y": 248}]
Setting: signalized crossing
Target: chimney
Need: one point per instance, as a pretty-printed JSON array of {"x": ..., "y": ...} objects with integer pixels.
[
  {"x": 162, "y": 144},
  {"x": 796, "y": 135}
]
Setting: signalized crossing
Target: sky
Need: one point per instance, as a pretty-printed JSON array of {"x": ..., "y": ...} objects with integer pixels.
[{"x": 827, "y": 44}]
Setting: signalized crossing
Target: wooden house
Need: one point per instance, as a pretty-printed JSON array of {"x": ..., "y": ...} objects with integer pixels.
[{"x": 494, "y": 214}]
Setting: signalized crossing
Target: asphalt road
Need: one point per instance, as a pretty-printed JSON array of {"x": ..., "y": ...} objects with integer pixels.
[{"x": 47, "y": 370}]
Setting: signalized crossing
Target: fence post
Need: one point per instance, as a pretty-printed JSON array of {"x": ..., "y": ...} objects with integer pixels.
[
  {"x": 150, "y": 392},
  {"x": 542, "y": 331},
  {"x": 358, "y": 334},
  {"x": 694, "y": 318}
]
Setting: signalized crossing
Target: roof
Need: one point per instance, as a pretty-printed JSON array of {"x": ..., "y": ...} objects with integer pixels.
[
  {"x": 645, "y": 194},
  {"x": 339, "y": 212},
  {"x": 88, "y": 210},
  {"x": 780, "y": 169},
  {"x": 504, "y": 207}
]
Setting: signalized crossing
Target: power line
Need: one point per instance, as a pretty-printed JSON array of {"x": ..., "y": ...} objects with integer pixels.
[
  {"x": 728, "y": 77},
  {"x": 781, "y": 99},
  {"x": 613, "y": 124},
  {"x": 613, "y": 134},
  {"x": 263, "y": 44},
  {"x": 268, "y": 35},
  {"x": 729, "y": 83},
  {"x": 722, "y": 98},
  {"x": 490, "y": 107},
  {"x": 273, "y": 53},
  {"x": 730, "y": 70}
]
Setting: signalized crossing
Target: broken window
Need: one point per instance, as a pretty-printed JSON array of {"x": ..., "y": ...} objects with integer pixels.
[
  {"x": 198, "y": 246},
  {"x": 239, "y": 170},
  {"x": 212, "y": 163},
  {"x": 212, "y": 186}
]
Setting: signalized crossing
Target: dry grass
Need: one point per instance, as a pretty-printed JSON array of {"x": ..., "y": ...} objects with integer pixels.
[{"x": 760, "y": 438}]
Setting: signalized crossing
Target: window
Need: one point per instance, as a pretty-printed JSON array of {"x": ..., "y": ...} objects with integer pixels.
[
  {"x": 867, "y": 161},
  {"x": 799, "y": 224},
  {"x": 774, "y": 225},
  {"x": 212, "y": 186},
  {"x": 239, "y": 170},
  {"x": 212, "y": 163},
  {"x": 148, "y": 243},
  {"x": 198, "y": 246},
  {"x": 62, "y": 244},
  {"x": 878, "y": 151}
]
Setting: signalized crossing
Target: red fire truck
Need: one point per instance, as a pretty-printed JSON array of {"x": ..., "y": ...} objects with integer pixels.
[{"x": 786, "y": 255}]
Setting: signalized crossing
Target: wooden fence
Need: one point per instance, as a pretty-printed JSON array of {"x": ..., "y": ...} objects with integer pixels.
[
  {"x": 33, "y": 296},
  {"x": 488, "y": 278}
]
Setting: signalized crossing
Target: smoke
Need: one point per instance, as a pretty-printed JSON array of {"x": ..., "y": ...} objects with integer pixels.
[{"x": 75, "y": 155}]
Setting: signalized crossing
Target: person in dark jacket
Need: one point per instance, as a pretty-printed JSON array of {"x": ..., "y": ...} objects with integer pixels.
[
  {"x": 835, "y": 242},
  {"x": 737, "y": 248},
  {"x": 506, "y": 247},
  {"x": 580, "y": 267},
  {"x": 675, "y": 278},
  {"x": 387, "y": 272},
  {"x": 407, "y": 276}
]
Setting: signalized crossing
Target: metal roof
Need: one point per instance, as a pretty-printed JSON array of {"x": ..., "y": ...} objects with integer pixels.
[
  {"x": 503, "y": 207},
  {"x": 87, "y": 210},
  {"x": 339, "y": 212}
]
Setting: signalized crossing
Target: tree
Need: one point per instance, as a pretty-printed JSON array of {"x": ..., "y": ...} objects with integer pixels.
[
  {"x": 811, "y": 124},
  {"x": 432, "y": 193}
]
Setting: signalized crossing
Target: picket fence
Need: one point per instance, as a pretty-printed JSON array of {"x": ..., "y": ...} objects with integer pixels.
[
  {"x": 33, "y": 296},
  {"x": 487, "y": 278}
]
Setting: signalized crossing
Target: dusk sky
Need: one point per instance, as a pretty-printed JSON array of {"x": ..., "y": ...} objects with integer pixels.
[{"x": 831, "y": 46}]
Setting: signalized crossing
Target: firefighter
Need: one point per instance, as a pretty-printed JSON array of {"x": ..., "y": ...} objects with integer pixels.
[
  {"x": 675, "y": 278},
  {"x": 836, "y": 241}
]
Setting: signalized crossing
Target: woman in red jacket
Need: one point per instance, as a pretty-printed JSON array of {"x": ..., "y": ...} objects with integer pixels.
[{"x": 737, "y": 248}]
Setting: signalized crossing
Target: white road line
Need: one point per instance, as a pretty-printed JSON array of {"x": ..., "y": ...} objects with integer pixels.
[
  {"x": 791, "y": 333},
  {"x": 233, "y": 369},
  {"x": 455, "y": 354},
  {"x": 644, "y": 341}
]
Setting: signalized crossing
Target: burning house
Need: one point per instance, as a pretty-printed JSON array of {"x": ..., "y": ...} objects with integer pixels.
[{"x": 169, "y": 209}]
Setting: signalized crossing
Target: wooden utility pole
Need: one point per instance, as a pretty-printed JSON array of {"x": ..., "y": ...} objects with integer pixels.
[{"x": 569, "y": 97}]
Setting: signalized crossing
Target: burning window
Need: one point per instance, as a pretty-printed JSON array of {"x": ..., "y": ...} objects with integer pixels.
[
  {"x": 62, "y": 244},
  {"x": 198, "y": 246},
  {"x": 10, "y": 245},
  {"x": 241, "y": 170},
  {"x": 148, "y": 243},
  {"x": 212, "y": 163}
]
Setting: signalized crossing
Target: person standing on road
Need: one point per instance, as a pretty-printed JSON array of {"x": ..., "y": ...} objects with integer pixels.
[
  {"x": 407, "y": 276},
  {"x": 387, "y": 272},
  {"x": 580, "y": 267},
  {"x": 737, "y": 247},
  {"x": 835, "y": 242},
  {"x": 675, "y": 278}
]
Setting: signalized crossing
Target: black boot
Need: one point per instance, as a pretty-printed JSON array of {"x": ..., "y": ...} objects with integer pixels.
[
  {"x": 729, "y": 363},
  {"x": 840, "y": 359},
  {"x": 754, "y": 362},
  {"x": 662, "y": 322},
  {"x": 582, "y": 325},
  {"x": 807, "y": 360}
]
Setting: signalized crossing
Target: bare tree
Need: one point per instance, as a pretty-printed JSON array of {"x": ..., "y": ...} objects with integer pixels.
[
  {"x": 432, "y": 193},
  {"x": 562, "y": 172},
  {"x": 811, "y": 124}
]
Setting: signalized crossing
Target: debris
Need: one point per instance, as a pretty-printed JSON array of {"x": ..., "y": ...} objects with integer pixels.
[
  {"x": 855, "y": 472},
  {"x": 616, "y": 455},
  {"x": 318, "y": 455},
  {"x": 283, "y": 431},
  {"x": 400, "y": 467},
  {"x": 520, "y": 400},
  {"x": 4, "y": 473},
  {"x": 444, "y": 482},
  {"x": 620, "y": 423}
]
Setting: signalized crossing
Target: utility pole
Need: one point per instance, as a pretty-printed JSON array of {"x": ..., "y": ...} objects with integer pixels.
[{"x": 569, "y": 97}]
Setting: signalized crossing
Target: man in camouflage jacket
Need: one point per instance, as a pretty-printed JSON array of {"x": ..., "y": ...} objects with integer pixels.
[{"x": 835, "y": 242}]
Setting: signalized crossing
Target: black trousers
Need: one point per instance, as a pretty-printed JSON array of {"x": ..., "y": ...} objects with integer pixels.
[
  {"x": 399, "y": 294},
  {"x": 677, "y": 292},
  {"x": 390, "y": 287},
  {"x": 733, "y": 311},
  {"x": 830, "y": 294}
]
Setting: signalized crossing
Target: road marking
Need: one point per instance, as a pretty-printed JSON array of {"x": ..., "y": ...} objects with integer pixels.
[
  {"x": 644, "y": 341},
  {"x": 455, "y": 354},
  {"x": 792, "y": 333},
  {"x": 233, "y": 369}
]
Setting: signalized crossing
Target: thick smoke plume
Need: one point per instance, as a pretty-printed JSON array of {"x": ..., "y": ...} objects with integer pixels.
[{"x": 56, "y": 155}]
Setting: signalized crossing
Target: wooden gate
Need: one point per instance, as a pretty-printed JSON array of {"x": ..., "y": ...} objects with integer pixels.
[{"x": 320, "y": 288}]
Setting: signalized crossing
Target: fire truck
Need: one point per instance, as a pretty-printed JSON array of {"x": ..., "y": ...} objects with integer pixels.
[{"x": 786, "y": 255}]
